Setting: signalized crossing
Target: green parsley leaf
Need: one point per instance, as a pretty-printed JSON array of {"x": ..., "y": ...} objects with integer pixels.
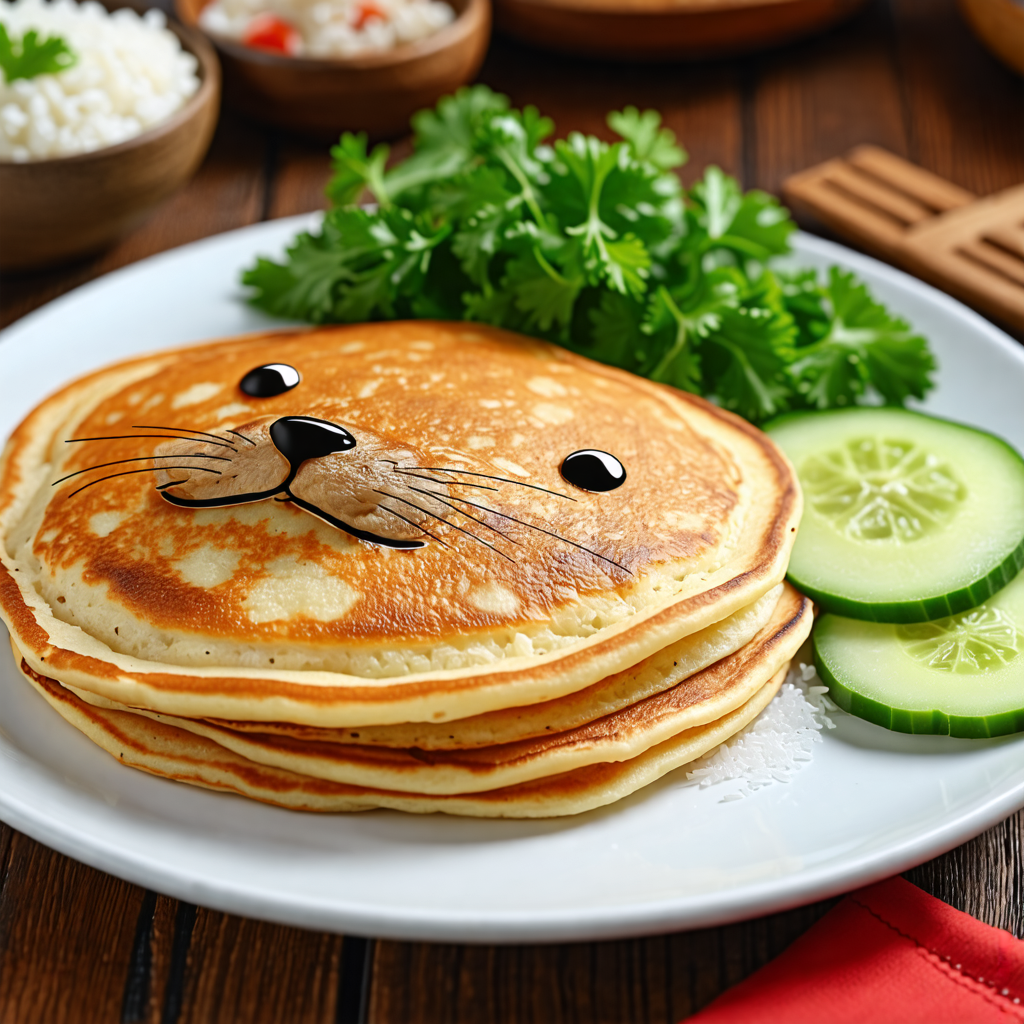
[
  {"x": 864, "y": 350},
  {"x": 543, "y": 295},
  {"x": 596, "y": 246},
  {"x": 30, "y": 56},
  {"x": 648, "y": 140},
  {"x": 356, "y": 170},
  {"x": 752, "y": 225}
]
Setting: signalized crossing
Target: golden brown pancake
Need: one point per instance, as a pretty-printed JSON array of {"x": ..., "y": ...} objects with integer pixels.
[
  {"x": 660, "y": 671},
  {"x": 173, "y": 753},
  {"x": 400, "y": 537},
  {"x": 705, "y": 697}
]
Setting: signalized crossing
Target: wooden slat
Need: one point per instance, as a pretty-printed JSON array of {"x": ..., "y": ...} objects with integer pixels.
[
  {"x": 949, "y": 251},
  {"x": 983, "y": 877},
  {"x": 702, "y": 104},
  {"x": 1009, "y": 237},
  {"x": 301, "y": 170},
  {"x": 928, "y": 188},
  {"x": 663, "y": 978},
  {"x": 252, "y": 972},
  {"x": 964, "y": 107},
  {"x": 988, "y": 255},
  {"x": 847, "y": 178},
  {"x": 66, "y": 935},
  {"x": 813, "y": 195},
  {"x": 814, "y": 101}
]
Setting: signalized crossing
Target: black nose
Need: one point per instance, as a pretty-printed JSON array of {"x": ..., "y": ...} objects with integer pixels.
[{"x": 299, "y": 438}]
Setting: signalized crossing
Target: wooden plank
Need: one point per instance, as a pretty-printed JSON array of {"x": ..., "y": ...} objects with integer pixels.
[
  {"x": 208, "y": 966},
  {"x": 66, "y": 934},
  {"x": 813, "y": 198},
  {"x": 300, "y": 172},
  {"x": 928, "y": 188},
  {"x": 982, "y": 877},
  {"x": 966, "y": 107},
  {"x": 948, "y": 250},
  {"x": 891, "y": 202},
  {"x": 701, "y": 103},
  {"x": 662, "y": 978},
  {"x": 819, "y": 98}
]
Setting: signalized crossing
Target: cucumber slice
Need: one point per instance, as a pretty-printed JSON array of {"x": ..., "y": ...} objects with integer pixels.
[
  {"x": 906, "y": 517},
  {"x": 959, "y": 676}
]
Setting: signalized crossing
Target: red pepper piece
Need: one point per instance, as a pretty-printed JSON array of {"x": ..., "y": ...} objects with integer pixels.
[
  {"x": 365, "y": 11},
  {"x": 273, "y": 34}
]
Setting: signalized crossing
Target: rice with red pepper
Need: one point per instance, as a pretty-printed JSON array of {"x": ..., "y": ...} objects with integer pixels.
[{"x": 325, "y": 28}]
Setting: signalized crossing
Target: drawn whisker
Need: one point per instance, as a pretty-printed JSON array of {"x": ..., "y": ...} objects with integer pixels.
[
  {"x": 419, "y": 476},
  {"x": 182, "y": 430},
  {"x": 468, "y": 515},
  {"x": 135, "y": 437},
  {"x": 479, "y": 487},
  {"x": 540, "y": 529},
  {"x": 490, "y": 476},
  {"x": 132, "y": 472},
  {"x": 406, "y": 472},
  {"x": 140, "y": 458},
  {"x": 422, "y": 529},
  {"x": 248, "y": 440},
  {"x": 479, "y": 540}
]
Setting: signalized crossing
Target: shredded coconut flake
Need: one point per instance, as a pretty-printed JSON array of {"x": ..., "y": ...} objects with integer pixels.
[{"x": 777, "y": 743}]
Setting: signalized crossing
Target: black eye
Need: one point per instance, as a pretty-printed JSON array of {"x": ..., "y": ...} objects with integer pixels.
[
  {"x": 270, "y": 380},
  {"x": 592, "y": 470}
]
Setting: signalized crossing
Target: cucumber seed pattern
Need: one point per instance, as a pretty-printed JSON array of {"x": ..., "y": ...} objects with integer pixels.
[
  {"x": 881, "y": 489},
  {"x": 971, "y": 642}
]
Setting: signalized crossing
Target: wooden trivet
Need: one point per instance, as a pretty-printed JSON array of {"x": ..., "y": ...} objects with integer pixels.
[{"x": 972, "y": 248}]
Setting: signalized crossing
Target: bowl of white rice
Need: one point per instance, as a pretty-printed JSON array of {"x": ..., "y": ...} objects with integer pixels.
[
  {"x": 108, "y": 130},
  {"x": 320, "y": 67}
]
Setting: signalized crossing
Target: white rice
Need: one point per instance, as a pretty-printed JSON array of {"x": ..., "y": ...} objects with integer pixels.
[
  {"x": 334, "y": 28},
  {"x": 776, "y": 745},
  {"x": 131, "y": 74}
]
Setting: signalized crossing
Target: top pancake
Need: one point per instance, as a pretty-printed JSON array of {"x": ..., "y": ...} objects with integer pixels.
[{"x": 509, "y": 585}]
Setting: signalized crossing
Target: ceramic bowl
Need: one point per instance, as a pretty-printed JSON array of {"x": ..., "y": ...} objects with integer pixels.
[
  {"x": 666, "y": 29},
  {"x": 54, "y": 211},
  {"x": 373, "y": 92},
  {"x": 999, "y": 24}
]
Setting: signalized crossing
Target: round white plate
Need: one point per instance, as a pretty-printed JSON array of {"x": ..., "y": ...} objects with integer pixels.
[{"x": 870, "y": 804}]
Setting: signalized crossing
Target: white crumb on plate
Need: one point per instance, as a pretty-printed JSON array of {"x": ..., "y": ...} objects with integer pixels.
[{"x": 777, "y": 744}]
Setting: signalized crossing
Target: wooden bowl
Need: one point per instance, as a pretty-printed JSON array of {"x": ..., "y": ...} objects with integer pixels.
[
  {"x": 666, "y": 29},
  {"x": 57, "y": 210},
  {"x": 999, "y": 24},
  {"x": 373, "y": 92}
]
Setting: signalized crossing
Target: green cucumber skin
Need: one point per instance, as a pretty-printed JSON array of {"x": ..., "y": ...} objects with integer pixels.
[
  {"x": 919, "y": 611},
  {"x": 928, "y": 608},
  {"x": 920, "y": 723}
]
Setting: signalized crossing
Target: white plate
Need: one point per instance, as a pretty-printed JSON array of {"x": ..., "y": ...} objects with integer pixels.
[{"x": 870, "y": 804}]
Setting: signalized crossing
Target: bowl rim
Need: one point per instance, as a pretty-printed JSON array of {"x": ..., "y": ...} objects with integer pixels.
[
  {"x": 471, "y": 18},
  {"x": 680, "y": 9},
  {"x": 191, "y": 40}
]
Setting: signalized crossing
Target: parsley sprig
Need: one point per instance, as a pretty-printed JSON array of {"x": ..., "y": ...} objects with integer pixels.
[
  {"x": 31, "y": 56},
  {"x": 596, "y": 246}
]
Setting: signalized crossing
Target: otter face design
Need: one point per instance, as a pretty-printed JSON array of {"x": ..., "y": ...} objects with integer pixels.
[{"x": 375, "y": 488}]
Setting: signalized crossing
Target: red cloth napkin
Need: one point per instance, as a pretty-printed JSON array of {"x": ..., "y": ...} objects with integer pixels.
[{"x": 887, "y": 954}]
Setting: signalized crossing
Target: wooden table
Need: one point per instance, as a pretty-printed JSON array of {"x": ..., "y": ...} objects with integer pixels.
[{"x": 77, "y": 945}]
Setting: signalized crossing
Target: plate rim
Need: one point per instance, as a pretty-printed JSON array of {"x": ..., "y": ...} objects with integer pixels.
[{"x": 504, "y": 927}]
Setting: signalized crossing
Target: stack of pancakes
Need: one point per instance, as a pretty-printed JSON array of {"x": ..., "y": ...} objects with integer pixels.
[{"x": 424, "y": 566}]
